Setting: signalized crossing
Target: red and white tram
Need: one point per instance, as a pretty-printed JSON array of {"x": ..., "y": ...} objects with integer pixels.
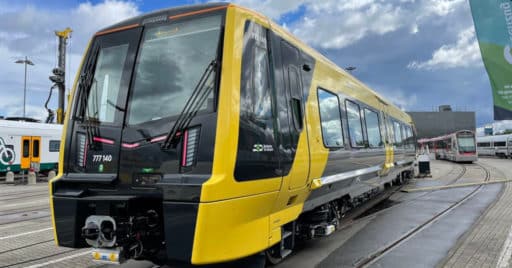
[{"x": 458, "y": 146}]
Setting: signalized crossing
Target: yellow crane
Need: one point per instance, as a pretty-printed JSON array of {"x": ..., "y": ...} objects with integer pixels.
[{"x": 58, "y": 77}]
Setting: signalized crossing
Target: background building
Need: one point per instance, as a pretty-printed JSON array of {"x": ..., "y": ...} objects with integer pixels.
[{"x": 444, "y": 121}]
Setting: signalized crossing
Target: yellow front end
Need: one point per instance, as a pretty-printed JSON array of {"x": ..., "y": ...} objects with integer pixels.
[{"x": 238, "y": 219}]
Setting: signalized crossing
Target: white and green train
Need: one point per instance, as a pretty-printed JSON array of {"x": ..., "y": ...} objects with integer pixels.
[{"x": 25, "y": 145}]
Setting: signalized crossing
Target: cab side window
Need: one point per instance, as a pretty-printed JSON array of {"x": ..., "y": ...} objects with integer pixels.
[{"x": 257, "y": 152}]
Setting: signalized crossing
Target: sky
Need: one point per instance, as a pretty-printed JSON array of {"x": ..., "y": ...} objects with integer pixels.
[{"x": 417, "y": 53}]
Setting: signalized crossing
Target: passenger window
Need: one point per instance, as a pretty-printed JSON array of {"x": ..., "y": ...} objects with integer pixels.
[
  {"x": 398, "y": 133},
  {"x": 54, "y": 146},
  {"x": 408, "y": 137},
  {"x": 372, "y": 128},
  {"x": 330, "y": 119},
  {"x": 500, "y": 143},
  {"x": 355, "y": 129}
]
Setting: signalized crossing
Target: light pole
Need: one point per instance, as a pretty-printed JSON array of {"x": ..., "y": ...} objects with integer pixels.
[
  {"x": 350, "y": 68},
  {"x": 29, "y": 62}
]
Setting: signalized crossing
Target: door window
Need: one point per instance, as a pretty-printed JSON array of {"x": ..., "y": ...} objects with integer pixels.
[
  {"x": 26, "y": 148},
  {"x": 35, "y": 148}
]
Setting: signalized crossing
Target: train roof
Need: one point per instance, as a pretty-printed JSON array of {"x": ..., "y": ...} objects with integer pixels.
[
  {"x": 28, "y": 125},
  {"x": 162, "y": 14},
  {"x": 353, "y": 86},
  {"x": 494, "y": 138},
  {"x": 438, "y": 138}
]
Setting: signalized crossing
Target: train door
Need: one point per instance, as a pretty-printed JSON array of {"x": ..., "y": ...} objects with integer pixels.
[
  {"x": 30, "y": 152},
  {"x": 294, "y": 93},
  {"x": 100, "y": 105}
]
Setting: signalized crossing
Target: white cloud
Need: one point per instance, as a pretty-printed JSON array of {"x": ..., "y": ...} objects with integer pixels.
[
  {"x": 332, "y": 24},
  {"x": 399, "y": 97},
  {"x": 29, "y": 31},
  {"x": 272, "y": 8},
  {"x": 464, "y": 53},
  {"x": 442, "y": 7},
  {"x": 14, "y": 107},
  {"x": 336, "y": 24},
  {"x": 414, "y": 28}
]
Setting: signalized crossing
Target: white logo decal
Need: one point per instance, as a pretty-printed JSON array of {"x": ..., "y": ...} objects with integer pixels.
[
  {"x": 262, "y": 148},
  {"x": 507, "y": 54},
  {"x": 101, "y": 158},
  {"x": 7, "y": 154}
]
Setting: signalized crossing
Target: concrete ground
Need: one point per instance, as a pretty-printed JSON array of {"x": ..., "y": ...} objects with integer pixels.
[
  {"x": 456, "y": 227},
  {"x": 446, "y": 241}
]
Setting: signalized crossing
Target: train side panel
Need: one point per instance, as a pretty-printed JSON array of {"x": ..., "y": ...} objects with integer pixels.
[
  {"x": 260, "y": 175},
  {"x": 13, "y": 133}
]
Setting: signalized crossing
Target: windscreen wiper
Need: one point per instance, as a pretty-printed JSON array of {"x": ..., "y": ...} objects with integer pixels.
[
  {"x": 194, "y": 103},
  {"x": 84, "y": 87}
]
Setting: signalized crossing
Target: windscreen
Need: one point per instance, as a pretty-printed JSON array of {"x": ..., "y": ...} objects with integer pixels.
[
  {"x": 171, "y": 61},
  {"x": 466, "y": 144},
  {"x": 103, "y": 95}
]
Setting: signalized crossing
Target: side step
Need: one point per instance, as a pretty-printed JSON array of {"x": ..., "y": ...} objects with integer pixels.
[{"x": 284, "y": 248}]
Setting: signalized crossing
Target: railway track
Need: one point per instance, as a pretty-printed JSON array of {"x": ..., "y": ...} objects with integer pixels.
[
  {"x": 15, "y": 196},
  {"x": 27, "y": 191},
  {"x": 29, "y": 210},
  {"x": 383, "y": 203},
  {"x": 375, "y": 256},
  {"x": 375, "y": 209},
  {"x": 38, "y": 259}
]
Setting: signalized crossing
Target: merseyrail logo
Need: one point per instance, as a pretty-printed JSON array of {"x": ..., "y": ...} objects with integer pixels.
[
  {"x": 258, "y": 147},
  {"x": 7, "y": 154}
]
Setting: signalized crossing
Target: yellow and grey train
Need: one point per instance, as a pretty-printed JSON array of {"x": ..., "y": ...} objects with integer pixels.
[{"x": 208, "y": 133}]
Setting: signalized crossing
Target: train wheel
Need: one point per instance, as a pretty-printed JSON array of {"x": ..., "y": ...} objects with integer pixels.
[{"x": 272, "y": 256}]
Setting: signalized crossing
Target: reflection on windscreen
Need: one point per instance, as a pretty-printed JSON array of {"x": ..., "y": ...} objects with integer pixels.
[
  {"x": 170, "y": 63},
  {"x": 105, "y": 87},
  {"x": 466, "y": 144}
]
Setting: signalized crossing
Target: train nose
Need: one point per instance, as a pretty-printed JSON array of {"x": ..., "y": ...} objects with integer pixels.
[{"x": 99, "y": 231}]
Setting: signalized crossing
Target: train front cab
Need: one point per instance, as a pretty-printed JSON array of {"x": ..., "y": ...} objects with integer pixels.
[
  {"x": 465, "y": 144},
  {"x": 224, "y": 187},
  {"x": 223, "y": 184}
]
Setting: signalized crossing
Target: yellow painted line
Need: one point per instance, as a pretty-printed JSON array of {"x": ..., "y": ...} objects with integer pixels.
[{"x": 459, "y": 185}]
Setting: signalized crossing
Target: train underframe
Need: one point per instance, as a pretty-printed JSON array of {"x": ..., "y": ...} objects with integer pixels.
[
  {"x": 325, "y": 219},
  {"x": 119, "y": 228}
]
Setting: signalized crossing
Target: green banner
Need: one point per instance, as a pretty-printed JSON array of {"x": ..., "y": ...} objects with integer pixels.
[{"x": 493, "y": 24}]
